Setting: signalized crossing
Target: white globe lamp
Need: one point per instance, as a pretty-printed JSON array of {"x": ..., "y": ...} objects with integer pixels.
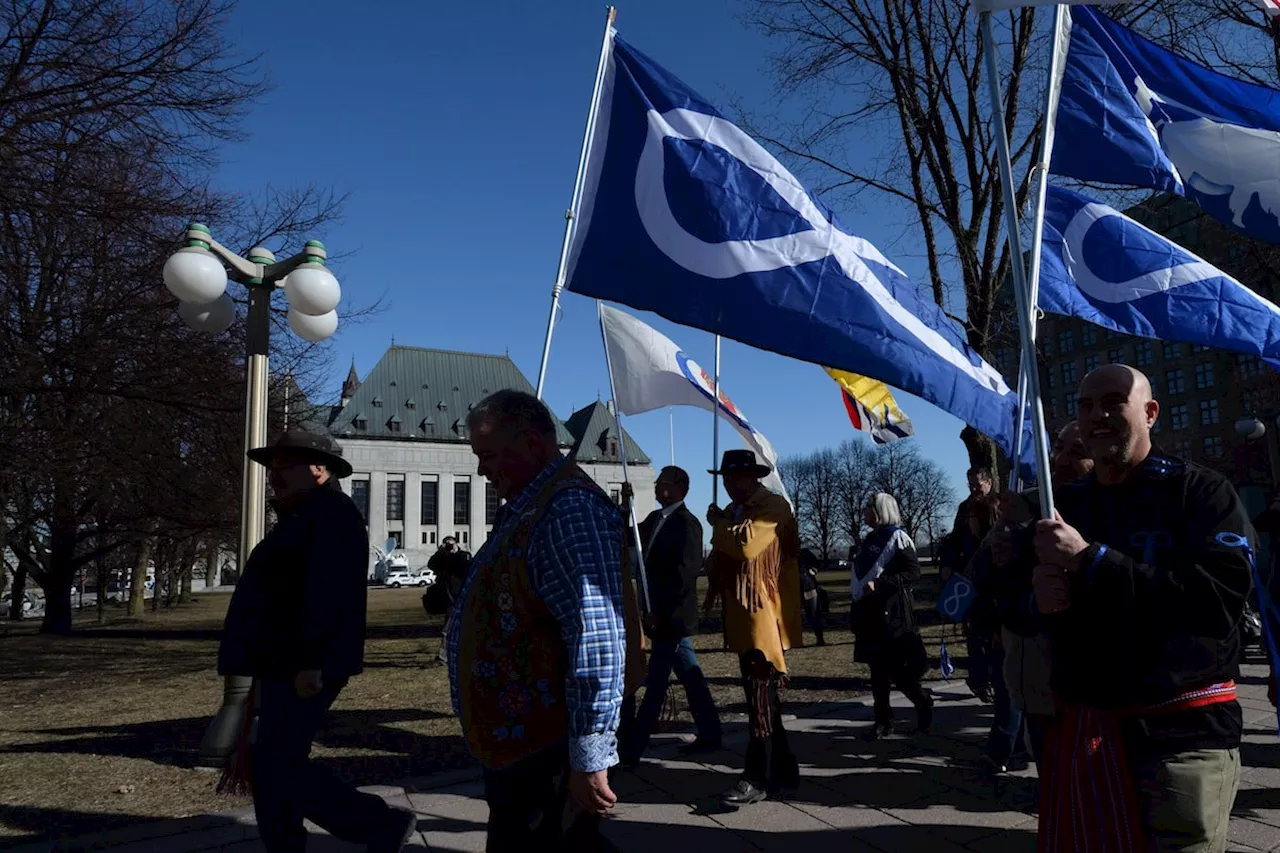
[
  {"x": 212, "y": 318},
  {"x": 313, "y": 328},
  {"x": 312, "y": 289},
  {"x": 194, "y": 275},
  {"x": 1250, "y": 428}
]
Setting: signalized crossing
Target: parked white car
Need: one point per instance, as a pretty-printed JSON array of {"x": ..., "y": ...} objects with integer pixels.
[{"x": 404, "y": 577}]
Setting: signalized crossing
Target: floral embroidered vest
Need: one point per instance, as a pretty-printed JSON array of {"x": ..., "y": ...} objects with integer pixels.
[{"x": 513, "y": 661}]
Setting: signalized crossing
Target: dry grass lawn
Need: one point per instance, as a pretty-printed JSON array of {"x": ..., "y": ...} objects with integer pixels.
[{"x": 98, "y": 729}]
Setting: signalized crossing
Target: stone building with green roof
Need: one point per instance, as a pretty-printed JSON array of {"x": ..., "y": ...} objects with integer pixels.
[{"x": 404, "y": 429}]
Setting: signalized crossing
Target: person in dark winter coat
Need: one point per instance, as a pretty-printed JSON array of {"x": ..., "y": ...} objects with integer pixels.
[
  {"x": 813, "y": 593},
  {"x": 885, "y": 633},
  {"x": 296, "y": 625},
  {"x": 672, "y": 541}
]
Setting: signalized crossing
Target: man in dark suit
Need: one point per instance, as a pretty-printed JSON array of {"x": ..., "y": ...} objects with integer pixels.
[{"x": 672, "y": 541}]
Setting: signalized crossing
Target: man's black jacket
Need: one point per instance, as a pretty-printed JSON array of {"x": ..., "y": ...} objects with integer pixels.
[
  {"x": 672, "y": 564},
  {"x": 300, "y": 603},
  {"x": 1156, "y": 606}
]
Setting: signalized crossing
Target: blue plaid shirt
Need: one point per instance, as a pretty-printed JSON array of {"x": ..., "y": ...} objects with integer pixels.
[{"x": 574, "y": 561}]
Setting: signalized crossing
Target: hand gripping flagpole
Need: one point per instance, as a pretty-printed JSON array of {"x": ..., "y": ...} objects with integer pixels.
[
  {"x": 1052, "y": 94},
  {"x": 1019, "y": 272},
  {"x": 622, "y": 455},
  {"x": 571, "y": 215},
  {"x": 715, "y": 428}
]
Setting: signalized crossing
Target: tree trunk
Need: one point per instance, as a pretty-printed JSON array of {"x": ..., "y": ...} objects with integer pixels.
[
  {"x": 138, "y": 581},
  {"x": 982, "y": 450},
  {"x": 19, "y": 592},
  {"x": 187, "y": 571},
  {"x": 102, "y": 573},
  {"x": 211, "y": 578},
  {"x": 162, "y": 563},
  {"x": 61, "y": 575}
]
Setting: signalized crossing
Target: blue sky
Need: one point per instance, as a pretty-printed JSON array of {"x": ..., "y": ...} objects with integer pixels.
[{"x": 455, "y": 127}]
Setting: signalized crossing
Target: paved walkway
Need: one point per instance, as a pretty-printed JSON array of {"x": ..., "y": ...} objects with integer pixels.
[{"x": 856, "y": 797}]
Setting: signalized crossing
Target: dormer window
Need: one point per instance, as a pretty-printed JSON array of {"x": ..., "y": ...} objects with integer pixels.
[
  {"x": 395, "y": 425},
  {"x": 377, "y": 402},
  {"x": 360, "y": 422},
  {"x": 460, "y": 427},
  {"x": 393, "y": 383},
  {"x": 442, "y": 406},
  {"x": 410, "y": 404},
  {"x": 428, "y": 424}
]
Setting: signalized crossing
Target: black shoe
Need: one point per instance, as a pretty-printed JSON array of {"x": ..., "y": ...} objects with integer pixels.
[
  {"x": 821, "y": 641},
  {"x": 743, "y": 793},
  {"x": 628, "y": 762},
  {"x": 924, "y": 716},
  {"x": 700, "y": 746},
  {"x": 879, "y": 731},
  {"x": 785, "y": 773},
  {"x": 396, "y": 834}
]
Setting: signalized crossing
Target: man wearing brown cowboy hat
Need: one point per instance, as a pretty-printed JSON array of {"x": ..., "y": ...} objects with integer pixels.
[
  {"x": 754, "y": 569},
  {"x": 296, "y": 625}
]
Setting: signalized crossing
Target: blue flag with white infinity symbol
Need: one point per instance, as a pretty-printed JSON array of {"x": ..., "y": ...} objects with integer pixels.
[
  {"x": 1134, "y": 113},
  {"x": 1102, "y": 266},
  {"x": 685, "y": 215}
]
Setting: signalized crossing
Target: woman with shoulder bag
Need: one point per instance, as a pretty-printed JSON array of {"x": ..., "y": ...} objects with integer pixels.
[{"x": 883, "y": 616}]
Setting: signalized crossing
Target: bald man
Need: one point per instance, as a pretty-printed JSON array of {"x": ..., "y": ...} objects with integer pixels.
[{"x": 1143, "y": 581}]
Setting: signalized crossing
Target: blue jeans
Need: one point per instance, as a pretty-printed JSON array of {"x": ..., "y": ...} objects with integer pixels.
[
  {"x": 1006, "y": 724},
  {"x": 667, "y": 656}
]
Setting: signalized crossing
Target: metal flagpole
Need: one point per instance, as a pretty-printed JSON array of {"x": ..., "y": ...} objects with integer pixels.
[
  {"x": 1019, "y": 272},
  {"x": 1052, "y": 93},
  {"x": 622, "y": 455},
  {"x": 570, "y": 215},
  {"x": 671, "y": 422},
  {"x": 715, "y": 428}
]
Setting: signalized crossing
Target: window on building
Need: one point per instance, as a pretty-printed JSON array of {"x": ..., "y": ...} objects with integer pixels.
[
  {"x": 1089, "y": 335},
  {"x": 464, "y": 537},
  {"x": 1142, "y": 354},
  {"x": 1069, "y": 374},
  {"x": 360, "y": 422},
  {"x": 410, "y": 403},
  {"x": 1177, "y": 381},
  {"x": 1049, "y": 380},
  {"x": 462, "y": 502},
  {"x": 1251, "y": 402},
  {"x": 1213, "y": 446},
  {"x": 1249, "y": 365},
  {"x": 1066, "y": 341},
  {"x": 1091, "y": 363},
  {"x": 398, "y": 537},
  {"x": 490, "y": 503},
  {"x": 1204, "y": 375},
  {"x": 1112, "y": 335},
  {"x": 615, "y": 492},
  {"x": 395, "y": 425},
  {"x": 1172, "y": 349},
  {"x": 395, "y": 500},
  {"x": 1209, "y": 414},
  {"x": 1199, "y": 348},
  {"x": 360, "y": 494},
  {"x": 430, "y": 504},
  {"x": 1182, "y": 449},
  {"x": 1179, "y": 417},
  {"x": 1115, "y": 356},
  {"x": 1046, "y": 346},
  {"x": 428, "y": 537},
  {"x": 377, "y": 402},
  {"x": 1070, "y": 405}
]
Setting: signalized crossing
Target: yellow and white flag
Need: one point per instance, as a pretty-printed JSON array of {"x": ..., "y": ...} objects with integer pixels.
[{"x": 871, "y": 407}]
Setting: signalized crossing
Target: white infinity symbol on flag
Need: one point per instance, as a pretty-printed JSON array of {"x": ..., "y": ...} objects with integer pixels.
[
  {"x": 730, "y": 258},
  {"x": 1114, "y": 292},
  {"x": 960, "y": 590}
]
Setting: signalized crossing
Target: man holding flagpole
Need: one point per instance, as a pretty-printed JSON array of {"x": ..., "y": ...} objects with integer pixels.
[
  {"x": 1143, "y": 579},
  {"x": 755, "y": 571}
]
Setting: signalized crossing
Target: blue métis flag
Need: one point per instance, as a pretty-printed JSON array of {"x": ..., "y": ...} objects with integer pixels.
[
  {"x": 1102, "y": 266},
  {"x": 685, "y": 215},
  {"x": 1134, "y": 113}
]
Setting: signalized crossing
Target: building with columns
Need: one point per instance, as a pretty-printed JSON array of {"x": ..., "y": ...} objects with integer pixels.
[{"x": 403, "y": 428}]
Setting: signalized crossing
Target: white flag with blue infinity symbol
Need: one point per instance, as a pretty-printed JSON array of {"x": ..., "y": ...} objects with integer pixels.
[
  {"x": 685, "y": 215},
  {"x": 1104, "y": 267}
]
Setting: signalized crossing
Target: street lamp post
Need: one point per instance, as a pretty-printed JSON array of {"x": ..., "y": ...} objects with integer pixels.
[
  {"x": 1252, "y": 429},
  {"x": 197, "y": 276}
]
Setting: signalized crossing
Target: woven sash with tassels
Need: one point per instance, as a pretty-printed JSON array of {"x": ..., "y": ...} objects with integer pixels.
[{"x": 237, "y": 775}]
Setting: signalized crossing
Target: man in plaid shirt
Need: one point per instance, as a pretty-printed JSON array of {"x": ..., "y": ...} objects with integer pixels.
[{"x": 537, "y": 652}]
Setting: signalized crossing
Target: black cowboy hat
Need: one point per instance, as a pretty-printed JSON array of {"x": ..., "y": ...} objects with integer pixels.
[
  {"x": 741, "y": 462},
  {"x": 301, "y": 444}
]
